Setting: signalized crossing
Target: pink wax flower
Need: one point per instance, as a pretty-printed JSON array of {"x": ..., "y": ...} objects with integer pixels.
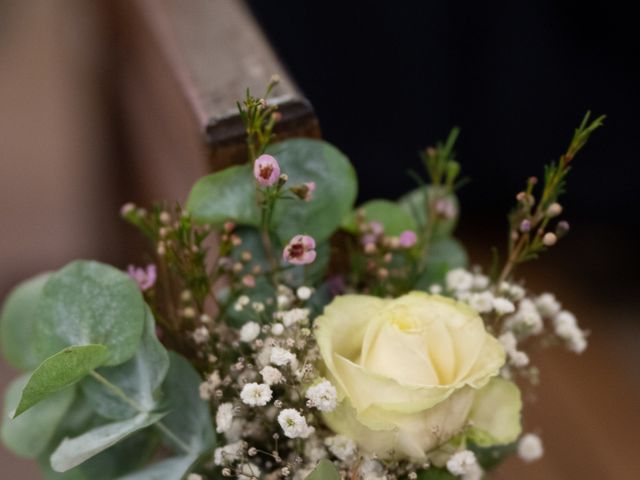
[
  {"x": 266, "y": 170},
  {"x": 300, "y": 250},
  {"x": 304, "y": 191},
  {"x": 408, "y": 239},
  {"x": 376, "y": 227},
  {"x": 145, "y": 278},
  {"x": 311, "y": 187},
  {"x": 446, "y": 209}
]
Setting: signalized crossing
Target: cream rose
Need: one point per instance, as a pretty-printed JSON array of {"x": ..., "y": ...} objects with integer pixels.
[{"x": 412, "y": 373}]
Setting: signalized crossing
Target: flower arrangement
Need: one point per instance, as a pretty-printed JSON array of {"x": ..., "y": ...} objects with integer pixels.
[{"x": 277, "y": 332}]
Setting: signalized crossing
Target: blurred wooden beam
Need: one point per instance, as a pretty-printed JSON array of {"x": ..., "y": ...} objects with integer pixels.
[{"x": 182, "y": 67}]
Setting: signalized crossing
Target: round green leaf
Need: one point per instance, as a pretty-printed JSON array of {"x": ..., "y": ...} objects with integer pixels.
[
  {"x": 189, "y": 418},
  {"x": 139, "y": 378},
  {"x": 126, "y": 456},
  {"x": 306, "y": 160},
  {"x": 325, "y": 470},
  {"x": 393, "y": 217},
  {"x": 74, "y": 451},
  {"x": 415, "y": 204},
  {"x": 29, "y": 435},
  {"x": 444, "y": 254},
  {"x": 90, "y": 303},
  {"x": 59, "y": 372},
  {"x": 18, "y": 321},
  {"x": 228, "y": 194},
  {"x": 436, "y": 473}
]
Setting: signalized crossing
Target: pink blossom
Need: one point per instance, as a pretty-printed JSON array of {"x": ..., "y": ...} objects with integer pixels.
[
  {"x": 408, "y": 239},
  {"x": 446, "y": 209},
  {"x": 300, "y": 250},
  {"x": 376, "y": 227},
  {"x": 266, "y": 170},
  {"x": 145, "y": 278},
  {"x": 249, "y": 281},
  {"x": 311, "y": 187}
]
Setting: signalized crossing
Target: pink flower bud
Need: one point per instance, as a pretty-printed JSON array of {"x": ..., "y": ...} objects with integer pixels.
[
  {"x": 311, "y": 186},
  {"x": 446, "y": 209},
  {"x": 408, "y": 239},
  {"x": 127, "y": 208},
  {"x": 145, "y": 278},
  {"x": 376, "y": 227},
  {"x": 249, "y": 281},
  {"x": 525, "y": 225},
  {"x": 266, "y": 170},
  {"x": 300, "y": 250}
]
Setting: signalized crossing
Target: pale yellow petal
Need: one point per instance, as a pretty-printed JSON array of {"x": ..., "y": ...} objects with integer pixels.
[{"x": 496, "y": 413}]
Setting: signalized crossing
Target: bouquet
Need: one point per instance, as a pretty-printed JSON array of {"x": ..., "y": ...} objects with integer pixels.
[{"x": 276, "y": 332}]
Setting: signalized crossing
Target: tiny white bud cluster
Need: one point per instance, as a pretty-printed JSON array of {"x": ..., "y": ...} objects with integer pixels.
[
  {"x": 530, "y": 447},
  {"x": 281, "y": 357},
  {"x": 249, "y": 332}
]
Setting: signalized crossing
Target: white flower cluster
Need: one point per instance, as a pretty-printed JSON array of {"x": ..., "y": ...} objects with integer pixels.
[
  {"x": 517, "y": 358},
  {"x": 294, "y": 424},
  {"x": 465, "y": 465},
  {"x": 273, "y": 381},
  {"x": 530, "y": 447},
  {"x": 566, "y": 327},
  {"x": 474, "y": 290},
  {"x": 323, "y": 396}
]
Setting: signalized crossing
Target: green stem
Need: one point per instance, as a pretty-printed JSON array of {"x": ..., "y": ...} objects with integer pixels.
[{"x": 117, "y": 391}]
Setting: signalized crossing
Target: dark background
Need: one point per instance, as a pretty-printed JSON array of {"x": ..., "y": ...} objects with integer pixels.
[{"x": 388, "y": 78}]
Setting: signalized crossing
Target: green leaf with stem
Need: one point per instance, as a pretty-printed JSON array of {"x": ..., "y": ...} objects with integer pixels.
[
  {"x": 74, "y": 451},
  {"x": 60, "y": 371},
  {"x": 189, "y": 423},
  {"x": 139, "y": 378}
]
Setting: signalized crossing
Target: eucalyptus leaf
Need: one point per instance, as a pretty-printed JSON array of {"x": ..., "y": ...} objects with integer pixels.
[
  {"x": 90, "y": 303},
  {"x": 230, "y": 194},
  {"x": 394, "y": 217},
  {"x": 73, "y": 451},
  {"x": 415, "y": 204},
  {"x": 59, "y": 372},
  {"x": 118, "y": 460},
  {"x": 325, "y": 470},
  {"x": 29, "y": 435},
  {"x": 444, "y": 254},
  {"x": 18, "y": 321},
  {"x": 140, "y": 378},
  {"x": 189, "y": 420},
  {"x": 125, "y": 456},
  {"x": 224, "y": 195},
  {"x": 173, "y": 468},
  {"x": 490, "y": 457},
  {"x": 307, "y": 160},
  {"x": 436, "y": 473}
]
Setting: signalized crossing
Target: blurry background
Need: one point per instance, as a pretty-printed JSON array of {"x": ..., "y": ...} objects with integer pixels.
[{"x": 106, "y": 101}]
